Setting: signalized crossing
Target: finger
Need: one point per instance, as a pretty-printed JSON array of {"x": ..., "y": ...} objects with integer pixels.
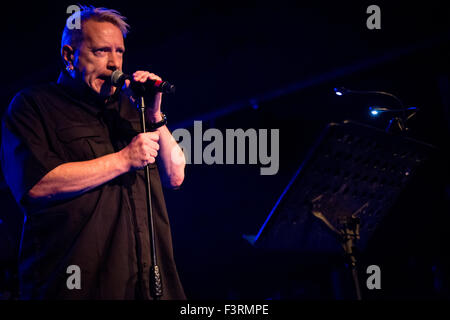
[
  {"x": 154, "y": 145},
  {"x": 148, "y": 143},
  {"x": 153, "y": 136},
  {"x": 152, "y": 152},
  {"x": 141, "y": 138},
  {"x": 148, "y": 153},
  {"x": 154, "y": 77},
  {"x": 148, "y": 134},
  {"x": 151, "y": 148},
  {"x": 138, "y": 75},
  {"x": 143, "y": 77}
]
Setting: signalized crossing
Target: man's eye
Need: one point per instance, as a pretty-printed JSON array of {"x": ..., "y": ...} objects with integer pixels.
[{"x": 102, "y": 50}]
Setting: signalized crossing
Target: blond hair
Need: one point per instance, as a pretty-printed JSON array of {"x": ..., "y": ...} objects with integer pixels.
[{"x": 74, "y": 37}]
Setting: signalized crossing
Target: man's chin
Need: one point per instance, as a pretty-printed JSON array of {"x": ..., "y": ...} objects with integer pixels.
[{"x": 106, "y": 90}]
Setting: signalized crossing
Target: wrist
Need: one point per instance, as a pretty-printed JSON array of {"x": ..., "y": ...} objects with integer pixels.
[
  {"x": 121, "y": 160},
  {"x": 155, "y": 117},
  {"x": 158, "y": 122}
]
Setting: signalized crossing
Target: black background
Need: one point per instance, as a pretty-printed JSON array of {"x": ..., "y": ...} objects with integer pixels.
[{"x": 286, "y": 55}]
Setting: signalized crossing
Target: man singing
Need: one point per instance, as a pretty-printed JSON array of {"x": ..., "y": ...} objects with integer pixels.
[{"x": 73, "y": 158}]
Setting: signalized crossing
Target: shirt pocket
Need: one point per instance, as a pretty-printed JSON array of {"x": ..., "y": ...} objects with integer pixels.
[{"x": 83, "y": 142}]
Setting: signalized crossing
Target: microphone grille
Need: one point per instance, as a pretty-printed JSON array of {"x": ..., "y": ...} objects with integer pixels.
[{"x": 117, "y": 78}]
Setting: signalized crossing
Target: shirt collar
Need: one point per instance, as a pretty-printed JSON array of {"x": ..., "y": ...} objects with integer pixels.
[{"x": 80, "y": 91}]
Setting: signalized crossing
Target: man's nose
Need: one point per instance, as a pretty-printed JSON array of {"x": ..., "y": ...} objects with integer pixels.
[{"x": 113, "y": 61}]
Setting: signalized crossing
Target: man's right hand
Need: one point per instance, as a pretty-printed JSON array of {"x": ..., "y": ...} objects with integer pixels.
[
  {"x": 74, "y": 178},
  {"x": 141, "y": 151}
]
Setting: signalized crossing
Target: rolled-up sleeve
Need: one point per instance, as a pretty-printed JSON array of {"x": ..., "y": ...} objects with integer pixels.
[{"x": 26, "y": 156}]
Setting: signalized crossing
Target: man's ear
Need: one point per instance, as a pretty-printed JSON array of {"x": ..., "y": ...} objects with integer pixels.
[{"x": 67, "y": 54}]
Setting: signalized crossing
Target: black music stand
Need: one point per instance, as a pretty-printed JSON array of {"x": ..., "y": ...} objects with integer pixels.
[{"x": 348, "y": 183}]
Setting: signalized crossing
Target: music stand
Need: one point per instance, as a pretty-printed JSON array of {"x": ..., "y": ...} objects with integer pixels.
[{"x": 348, "y": 183}]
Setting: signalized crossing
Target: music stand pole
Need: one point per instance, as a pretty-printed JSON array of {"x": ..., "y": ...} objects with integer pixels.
[{"x": 350, "y": 232}]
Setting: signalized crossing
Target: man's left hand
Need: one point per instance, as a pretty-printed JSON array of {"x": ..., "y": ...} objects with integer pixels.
[{"x": 153, "y": 101}]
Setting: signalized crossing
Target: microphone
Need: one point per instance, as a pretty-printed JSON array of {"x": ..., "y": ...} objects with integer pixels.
[{"x": 118, "y": 78}]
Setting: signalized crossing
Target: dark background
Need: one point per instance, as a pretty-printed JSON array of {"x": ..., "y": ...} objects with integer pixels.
[{"x": 287, "y": 56}]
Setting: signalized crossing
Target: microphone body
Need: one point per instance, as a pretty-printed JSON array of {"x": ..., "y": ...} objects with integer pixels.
[{"x": 140, "y": 88}]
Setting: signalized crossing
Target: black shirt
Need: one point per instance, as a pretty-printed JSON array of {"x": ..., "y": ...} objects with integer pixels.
[{"x": 103, "y": 231}]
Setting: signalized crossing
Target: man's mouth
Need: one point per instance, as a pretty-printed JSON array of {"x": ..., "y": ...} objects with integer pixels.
[{"x": 105, "y": 78}]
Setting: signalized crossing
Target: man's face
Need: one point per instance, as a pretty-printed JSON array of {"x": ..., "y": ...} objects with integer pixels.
[{"x": 100, "y": 53}]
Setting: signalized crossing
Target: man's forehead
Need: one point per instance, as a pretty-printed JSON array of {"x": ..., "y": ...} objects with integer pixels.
[{"x": 101, "y": 31}]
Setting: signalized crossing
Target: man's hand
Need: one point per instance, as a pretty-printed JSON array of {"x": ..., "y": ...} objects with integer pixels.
[
  {"x": 153, "y": 105},
  {"x": 141, "y": 151}
]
